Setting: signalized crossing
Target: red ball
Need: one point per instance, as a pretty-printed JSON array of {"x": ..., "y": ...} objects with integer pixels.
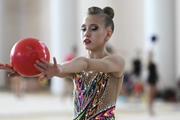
[{"x": 24, "y": 54}]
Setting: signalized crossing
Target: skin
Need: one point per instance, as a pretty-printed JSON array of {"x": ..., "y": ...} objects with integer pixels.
[
  {"x": 10, "y": 69},
  {"x": 94, "y": 31}
]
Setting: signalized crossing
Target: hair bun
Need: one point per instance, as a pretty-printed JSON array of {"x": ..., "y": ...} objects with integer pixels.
[{"x": 109, "y": 11}]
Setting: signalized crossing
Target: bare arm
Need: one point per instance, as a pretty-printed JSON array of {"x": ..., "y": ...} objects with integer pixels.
[{"x": 110, "y": 64}]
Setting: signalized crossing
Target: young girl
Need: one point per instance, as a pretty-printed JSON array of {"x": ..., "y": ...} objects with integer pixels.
[
  {"x": 98, "y": 77},
  {"x": 152, "y": 80}
]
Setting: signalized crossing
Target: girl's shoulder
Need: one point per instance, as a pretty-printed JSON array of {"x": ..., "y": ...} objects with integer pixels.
[{"x": 117, "y": 58}]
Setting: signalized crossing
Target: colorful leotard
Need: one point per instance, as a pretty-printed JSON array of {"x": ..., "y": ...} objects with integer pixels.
[{"x": 95, "y": 96}]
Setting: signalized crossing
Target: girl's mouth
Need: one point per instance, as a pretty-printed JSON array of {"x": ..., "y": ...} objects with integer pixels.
[{"x": 87, "y": 41}]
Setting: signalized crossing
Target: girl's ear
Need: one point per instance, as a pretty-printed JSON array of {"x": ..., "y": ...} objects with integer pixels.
[{"x": 109, "y": 34}]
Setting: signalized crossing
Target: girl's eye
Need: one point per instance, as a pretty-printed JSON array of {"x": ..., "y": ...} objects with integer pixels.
[
  {"x": 94, "y": 28},
  {"x": 83, "y": 29}
]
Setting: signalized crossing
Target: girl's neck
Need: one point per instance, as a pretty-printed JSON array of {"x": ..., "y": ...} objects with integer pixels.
[{"x": 97, "y": 54}]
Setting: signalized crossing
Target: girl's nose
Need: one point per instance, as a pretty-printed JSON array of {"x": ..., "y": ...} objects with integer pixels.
[{"x": 87, "y": 33}]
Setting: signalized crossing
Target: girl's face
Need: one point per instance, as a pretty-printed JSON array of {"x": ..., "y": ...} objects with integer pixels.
[{"x": 93, "y": 32}]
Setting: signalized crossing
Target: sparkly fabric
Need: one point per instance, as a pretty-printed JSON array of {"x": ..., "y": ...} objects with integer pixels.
[
  {"x": 90, "y": 93},
  {"x": 105, "y": 115}
]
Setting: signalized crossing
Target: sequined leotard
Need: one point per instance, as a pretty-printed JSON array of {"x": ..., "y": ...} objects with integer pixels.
[{"x": 95, "y": 95}]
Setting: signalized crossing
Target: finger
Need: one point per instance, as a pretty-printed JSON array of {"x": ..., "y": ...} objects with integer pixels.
[
  {"x": 40, "y": 64},
  {"x": 39, "y": 68},
  {"x": 13, "y": 75},
  {"x": 1, "y": 66},
  {"x": 9, "y": 68},
  {"x": 55, "y": 62},
  {"x": 44, "y": 61}
]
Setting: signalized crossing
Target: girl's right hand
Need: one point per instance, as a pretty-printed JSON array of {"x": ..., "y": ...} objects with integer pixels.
[{"x": 9, "y": 68}]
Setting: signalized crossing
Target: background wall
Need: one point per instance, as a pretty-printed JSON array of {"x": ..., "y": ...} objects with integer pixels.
[{"x": 177, "y": 33}]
